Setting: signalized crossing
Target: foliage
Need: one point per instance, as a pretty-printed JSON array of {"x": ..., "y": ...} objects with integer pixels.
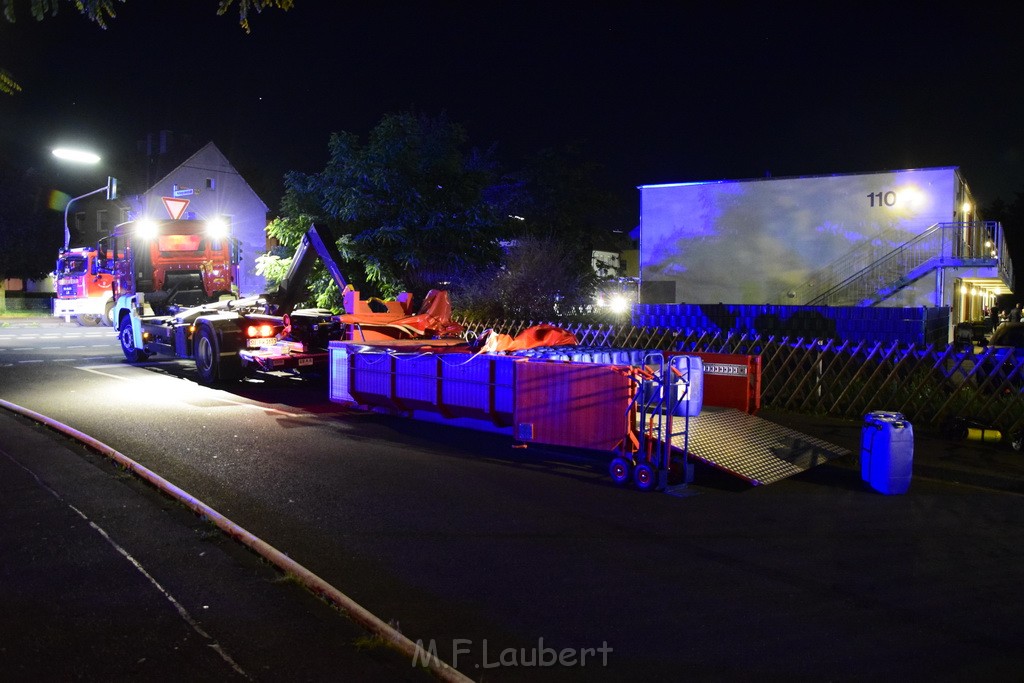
[
  {"x": 23, "y": 227},
  {"x": 541, "y": 279},
  {"x": 99, "y": 11},
  {"x": 8, "y": 85},
  {"x": 245, "y": 5},
  {"x": 413, "y": 208},
  {"x": 274, "y": 264},
  {"x": 1011, "y": 216},
  {"x": 563, "y": 215},
  {"x": 565, "y": 196}
]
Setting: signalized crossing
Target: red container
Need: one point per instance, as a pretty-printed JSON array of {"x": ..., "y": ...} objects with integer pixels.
[
  {"x": 571, "y": 404},
  {"x": 732, "y": 381}
]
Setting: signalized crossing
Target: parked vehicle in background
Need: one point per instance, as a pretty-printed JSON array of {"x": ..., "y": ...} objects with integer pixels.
[
  {"x": 83, "y": 289},
  {"x": 1009, "y": 335},
  {"x": 1001, "y": 361}
]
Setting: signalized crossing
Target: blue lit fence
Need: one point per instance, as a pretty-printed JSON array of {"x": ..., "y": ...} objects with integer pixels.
[
  {"x": 930, "y": 384},
  {"x": 909, "y": 325}
]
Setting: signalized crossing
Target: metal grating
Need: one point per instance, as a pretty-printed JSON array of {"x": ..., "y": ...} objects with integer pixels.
[{"x": 755, "y": 449}]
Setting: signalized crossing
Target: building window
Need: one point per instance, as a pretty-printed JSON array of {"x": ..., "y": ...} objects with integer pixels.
[
  {"x": 102, "y": 222},
  {"x": 210, "y": 184}
]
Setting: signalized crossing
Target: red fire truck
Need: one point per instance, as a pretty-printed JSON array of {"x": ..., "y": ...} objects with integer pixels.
[
  {"x": 83, "y": 289},
  {"x": 172, "y": 264}
]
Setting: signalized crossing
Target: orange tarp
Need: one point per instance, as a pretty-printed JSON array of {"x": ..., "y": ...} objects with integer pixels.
[{"x": 530, "y": 338}]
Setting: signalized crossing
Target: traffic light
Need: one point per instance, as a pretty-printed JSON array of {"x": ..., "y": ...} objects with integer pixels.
[{"x": 111, "y": 187}]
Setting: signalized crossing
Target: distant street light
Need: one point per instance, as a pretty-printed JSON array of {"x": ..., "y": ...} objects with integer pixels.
[
  {"x": 78, "y": 156},
  {"x": 81, "y": 156}
]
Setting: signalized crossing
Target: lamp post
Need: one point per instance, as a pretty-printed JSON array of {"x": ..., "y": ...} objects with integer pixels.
[{"x": 82, "y": 157}]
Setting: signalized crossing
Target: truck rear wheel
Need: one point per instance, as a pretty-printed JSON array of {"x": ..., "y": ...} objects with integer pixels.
[
  {"x": 210, "y": 365},
  {"x": 87, "y": 320},
  {"x": 127, "y": 337}
]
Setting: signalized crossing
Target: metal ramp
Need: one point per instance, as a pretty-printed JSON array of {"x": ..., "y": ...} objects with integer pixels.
[{"x": 752, "y": 448}]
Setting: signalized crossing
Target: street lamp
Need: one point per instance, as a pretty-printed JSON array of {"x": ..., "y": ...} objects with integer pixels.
[
  {"x": 82, "y": 157},
  {"x": 78, "y": 156}
]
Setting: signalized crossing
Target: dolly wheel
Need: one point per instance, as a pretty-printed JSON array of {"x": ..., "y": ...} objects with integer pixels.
[
  {"x": 644, "y": 476},
  {"x": 620, "y": 470}
]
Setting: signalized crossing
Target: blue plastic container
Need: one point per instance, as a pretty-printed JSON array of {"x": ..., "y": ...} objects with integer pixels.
[
  {"x": 690, "y": 397},
  {"x": 887, "y": 452}
]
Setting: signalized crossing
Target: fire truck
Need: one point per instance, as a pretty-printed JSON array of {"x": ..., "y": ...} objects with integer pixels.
[
  {"x": 171, "y": 263},
  {"x": 229, "y": 337},
  {"x": 83, "y": 289}
]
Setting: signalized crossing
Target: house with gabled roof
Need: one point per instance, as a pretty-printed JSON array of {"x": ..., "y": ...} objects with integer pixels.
[{"x": 213, "y": 188}]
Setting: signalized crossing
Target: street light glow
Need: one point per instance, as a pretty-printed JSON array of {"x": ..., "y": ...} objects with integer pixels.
[{"x": 78, "y": 156}]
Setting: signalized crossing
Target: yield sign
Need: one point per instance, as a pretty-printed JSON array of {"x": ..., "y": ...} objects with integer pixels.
[{"x": 175, "y": 207}]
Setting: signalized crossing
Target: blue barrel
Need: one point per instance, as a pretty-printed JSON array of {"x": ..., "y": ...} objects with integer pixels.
[{"x": 887, "y": 452}]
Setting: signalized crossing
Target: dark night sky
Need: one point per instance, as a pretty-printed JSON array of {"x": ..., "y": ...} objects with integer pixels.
[{"x": 655, "y": 92}]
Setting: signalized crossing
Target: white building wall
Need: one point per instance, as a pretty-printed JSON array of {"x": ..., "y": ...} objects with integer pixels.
[
  {"x": 752, "y": 241},
  {"x": 214, "y": 188}
]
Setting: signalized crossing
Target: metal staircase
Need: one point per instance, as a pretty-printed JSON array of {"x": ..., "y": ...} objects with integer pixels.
[{"x": 861, "y": 279}]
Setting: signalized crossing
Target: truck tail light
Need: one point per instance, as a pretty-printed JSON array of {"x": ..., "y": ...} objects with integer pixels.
[{"x": 259, "y": 331}]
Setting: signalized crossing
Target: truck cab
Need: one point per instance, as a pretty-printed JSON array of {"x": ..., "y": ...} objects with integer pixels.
[{"x": 173, "y": 264}]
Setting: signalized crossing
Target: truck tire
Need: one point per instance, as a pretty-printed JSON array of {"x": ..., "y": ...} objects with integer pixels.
[
  {"x": 87, "y": 320},
  {"x": 127, "y": 338},
  {"x": 108, "y": 314},
  {"x": 211, "y": 366}
]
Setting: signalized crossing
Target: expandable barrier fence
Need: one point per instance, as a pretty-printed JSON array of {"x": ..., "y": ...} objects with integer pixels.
[
  {"x": 930, "y": 385},
  {"x": 908, "y": 325}
]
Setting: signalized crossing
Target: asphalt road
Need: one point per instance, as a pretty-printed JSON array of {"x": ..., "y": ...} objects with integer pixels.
[{"x": 500, "y": 556}]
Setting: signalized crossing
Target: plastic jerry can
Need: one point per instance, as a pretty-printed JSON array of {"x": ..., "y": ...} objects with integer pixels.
[{"x": 887, "y": 452}]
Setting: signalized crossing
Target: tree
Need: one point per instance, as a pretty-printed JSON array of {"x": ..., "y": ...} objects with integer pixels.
[
  {"x": 100, "y": 11},
  {"x": 564, "y": 214},
  {"x": 414, "y": 208},
  {"x": 1011, "y": 216},
  {"x": 540, "y": 279},
  {"x": 23, "y": 228},
  {"x": 567, "y": 198}
]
